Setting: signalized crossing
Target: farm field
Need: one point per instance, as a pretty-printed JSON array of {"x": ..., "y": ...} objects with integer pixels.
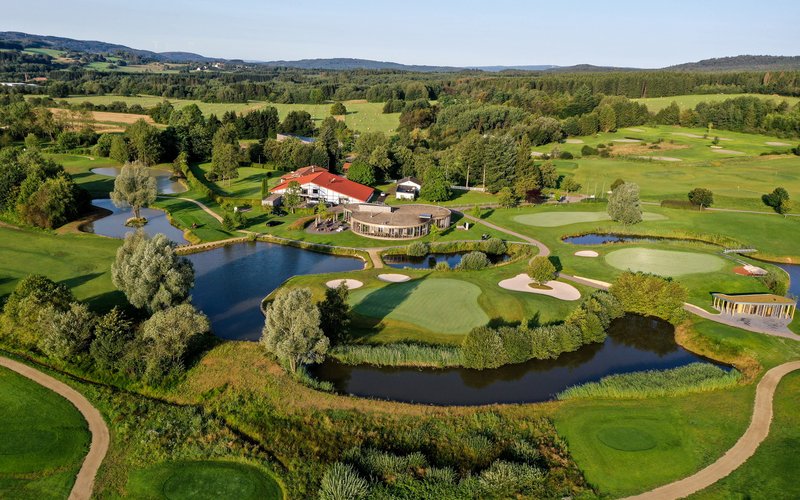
[
  {"x": 102, "y": 121},
  {"x": 43, "y": 440},
  {"x": 734, "y": 170},
  {"x": 656, "y": 104},
  {"x": 361, "y": 115}
]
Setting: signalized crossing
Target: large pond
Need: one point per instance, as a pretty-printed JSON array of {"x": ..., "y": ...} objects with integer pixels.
[
  {"x": 401, "y": 261},
  {"x": 231, "y": 281},
  {"x": 165, "y": 182},
  {"x": 794, "y": 278},
  {"x": 634, "y": 343},
  {"x": 114, "y": 225},
  {"x": 600, "y": 239}
]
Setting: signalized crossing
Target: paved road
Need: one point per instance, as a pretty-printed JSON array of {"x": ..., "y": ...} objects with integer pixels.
[
  {"x": 744, "y": 448},
  {"x": 84, "y": 481}
]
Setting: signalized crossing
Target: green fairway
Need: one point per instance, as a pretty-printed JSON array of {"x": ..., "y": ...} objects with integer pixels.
[
  {"x": 448, "y": 306},
  {"x": 664, "y": 262},
  {"x": 82, "y": 262},
  {"x": 80, "y": 168},
  {"x": 246, "y": 186},
  {"x": 556, "y": 219},
  {"x": 656, "y": 104},
  {"x": 43, "y": 440},
  {"x": 626, "y": 438},
  {"x": 204, "y": 480}
]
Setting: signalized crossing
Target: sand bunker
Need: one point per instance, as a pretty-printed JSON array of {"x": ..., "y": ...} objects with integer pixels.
[
  {"x": 684, "y": 134},
  {"x": 640, "y": 130},
  {"x": 775, "y": 143},
  {"x": 351, "y": 284},
  {"x": 586, "y": 253},
  {"x": 728, "y": 152},
  {"x": 537, "y": 154},
  {"x": 574, "y": 141},
  {"x": 555, "y": 289},
  {"x": 716, "y": 147},
  {"x": 393, "y": 278},
  {"x": 627, "y": 140},
  {"x": 660, "y": 158}
]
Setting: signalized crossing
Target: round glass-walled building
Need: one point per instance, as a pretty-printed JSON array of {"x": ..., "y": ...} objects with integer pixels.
[{"x": 403, "y": 222}]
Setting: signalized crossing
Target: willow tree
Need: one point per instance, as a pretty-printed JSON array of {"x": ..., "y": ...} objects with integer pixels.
[
  {"x": 134, "y": 188},
  {"x": 292, "y": 329}
]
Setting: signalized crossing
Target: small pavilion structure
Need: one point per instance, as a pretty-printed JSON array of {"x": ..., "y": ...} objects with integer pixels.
[{"x": 765, "y": 305}]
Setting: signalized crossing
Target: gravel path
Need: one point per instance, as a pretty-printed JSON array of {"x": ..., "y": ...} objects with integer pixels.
[
  {"x": 84, "y": 481},
  {"x": 202, "y": 206},
  {"x": 543, "y": 250},
  {"x": 744, "y": 448}
]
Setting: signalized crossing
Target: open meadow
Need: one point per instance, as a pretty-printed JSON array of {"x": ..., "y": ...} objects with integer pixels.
[{"x": 656, "y": 104}]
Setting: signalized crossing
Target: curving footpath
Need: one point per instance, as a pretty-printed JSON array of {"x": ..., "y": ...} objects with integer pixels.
[
  {"x": 84, "y": 481},
  {"x": 744, "y": 448},
  {"x": 202, "y": 206},
  {"x": 544, "y": 251}
]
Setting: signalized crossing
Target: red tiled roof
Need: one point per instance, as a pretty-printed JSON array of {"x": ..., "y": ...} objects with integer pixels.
[
  {"x": 331, "y": 182},
  {"x": 303, "y": 171}
]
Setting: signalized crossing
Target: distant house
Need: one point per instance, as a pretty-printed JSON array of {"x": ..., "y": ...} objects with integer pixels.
[
  {"x": 319, "y": 185},
  {"x": 274, "y": 200},
  {"x": 408, "y": 188}
]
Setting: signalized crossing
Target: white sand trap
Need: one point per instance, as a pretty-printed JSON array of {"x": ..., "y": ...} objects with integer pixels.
[
  {"x": 728, "y": 152},
  {"x": 351, "y": 284},
  {"x": 640, "y": 130},
  {"x": 660, "y": 158},
  {"x": 775, "y": 143},
  {"x": 574, "y": 141},
  {"x": 716, "y": 147},
  {"x": 537, "y": 154},
  {"x": 393, "y": 278},
  {"x": 684, "y": 134},
  {"x": 557, "y": 289},
  {"x": 627, "y": 140},
  {"x": 725, "y": 139},
  {"x": 586, "y": 253}
]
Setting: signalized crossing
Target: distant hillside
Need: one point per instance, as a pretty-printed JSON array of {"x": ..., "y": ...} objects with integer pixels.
[
  {"x": 341, "y": 63},
  {"x": 497, "y": 69},
  {"x": 26, "y": 40},
  {"x": 741, "y": 63}
]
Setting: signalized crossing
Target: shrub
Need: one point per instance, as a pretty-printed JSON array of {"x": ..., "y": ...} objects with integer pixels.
[
  {"x": 66, "y": 334},
  {"x": 495, "y": 246},
  {"x": 442, "y": 266},
  {"x": 624, "y": 205},
  {"x": 170, "y": 336},
  {"x": 776, "y": 281},
  {"x": 342, "y": 482},
  {"x": 541, "y": 270},
  {"x": 483, "y": 348},
  {"x": 505, "y": 479},
  {"x": 112, "y": 335},
  {"x": 587, "y": 150},
  {"x": 650, "y": 295},
  {"x": 418, "y": 249},
  {"x": 473, "y": 261},
  {"x": 566, "y": 155}
]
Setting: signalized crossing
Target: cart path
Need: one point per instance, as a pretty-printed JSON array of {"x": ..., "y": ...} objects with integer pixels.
[
  {"x": 544, "y": 251},
  {"x": 202, "y": 206},
  {"x": 744, "y": 448},
  {"x": 84, "y": 481}
]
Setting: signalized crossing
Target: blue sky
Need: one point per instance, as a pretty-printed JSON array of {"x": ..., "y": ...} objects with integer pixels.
[{"x": 437, "y": 32}]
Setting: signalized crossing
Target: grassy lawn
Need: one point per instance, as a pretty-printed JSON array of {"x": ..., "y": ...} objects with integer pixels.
[
  {"x": 557, "y": 219},
  {"x": 734, "y": 170},
  {"x": 184, "y": 214},
  {"x": 203, "y": 480},
  {"x": 80, "y": 168},
  {"x": 81, "y": 261},
  {"x": 247, "y": 185},
  {"x": 460, "y": 198},
  {"x": 656, "y": 104},
  {"x": 361, "y": 116},
  {"x": 43, "y": 440}
]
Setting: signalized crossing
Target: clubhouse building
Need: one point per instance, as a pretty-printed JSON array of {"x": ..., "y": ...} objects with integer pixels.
[
  {"x": 318, "y": 185},
  {"x": 395, "y": 223},
  {"x": 765, "y": 305}
]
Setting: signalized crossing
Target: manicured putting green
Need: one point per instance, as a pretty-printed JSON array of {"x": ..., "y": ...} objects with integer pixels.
[
  {"x": 626, "y": 438},
  {"x": 203, "y": 480},
  {"x": 555, "y": 219},
  {"x": 445, "y": 305},
  {"x": 664, "y": 262}
]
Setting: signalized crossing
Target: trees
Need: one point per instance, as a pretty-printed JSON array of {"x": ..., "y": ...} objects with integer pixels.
[
  {"x": 702, "y": 197},
  {"x": 334, "y": 313},
  {"x": 66, "y": 334},
  {"x": 169, "y": 336},
  {"x": 32, "y": 295},
  {"x": 113, "y": 332},
  {"x": 650, "y": 295},
  {"x": 617, "y": 183},
  {"x": 778, "y": 199},
  {"x": 225, "y": 152},
  {"x": 52, "y": 204},
  {"x": 548, "y": 173},
  {"x": 144, "y": 142},
  {"x": 541, "y": 270},
  {"x": 291, "y": 197},
  {"x": 624, "y": 205},
  {"x": 297, "y": 123},
  {"x": 150, "y": 273},
  {"x": 435, "y": 186},
  {"x": 570, "y": 185},
  {"x": 607, "y": 118},
  {"x": 473, "y": 261},
  {"x": 507, "y": 198},
  {"x": 362, "y": 172},
  {"x": 119, "y": 150},
  {"x": 338, "y": 109},
  {"x": 292, "y": 329},
  {"x": 134, "y": 187}
]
